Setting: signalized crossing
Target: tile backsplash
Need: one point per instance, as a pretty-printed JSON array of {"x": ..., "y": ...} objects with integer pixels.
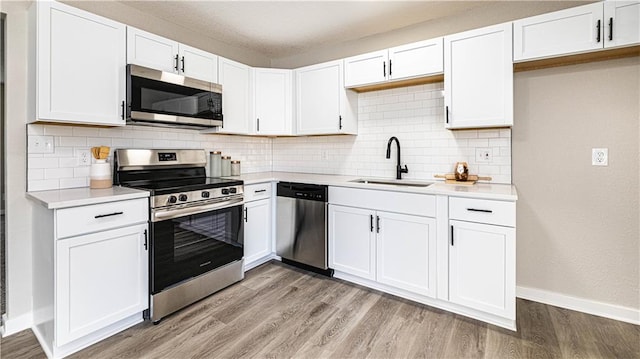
[
  {"x": 413, "y": 114},
  {"x": 61, "y": 169}
]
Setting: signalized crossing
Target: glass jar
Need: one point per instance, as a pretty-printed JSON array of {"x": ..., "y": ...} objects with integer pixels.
[
  {"x": 215, "y": 164},
  {"x": 226, "y": 166},
  {"x": 235, "y": 168}
]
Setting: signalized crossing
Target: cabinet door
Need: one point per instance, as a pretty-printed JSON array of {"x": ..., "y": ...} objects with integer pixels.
[
  {"x": 101, "y": 278},
  {"x": 81, "y": 66},
  {"x": 406, "y": 248},
  {"x": 235, "y": 79},
  {"x": 198, "y": 64},
  {"x": 352, "y": 241},
  {"x": 366, "y": 69},
  {"x": 562, "y": 32},
  {"x": 416, "y": 59},
  {"x": 318, "y": 91},
  {"x": 272, "y": 98},
  {"x": 150, "y": 50},
  {"x": 478, "y": 78},
  {"x": 482, "y": 267},
  {"x": 257, "y": 230},
  {"x": 622, "y": 23}
]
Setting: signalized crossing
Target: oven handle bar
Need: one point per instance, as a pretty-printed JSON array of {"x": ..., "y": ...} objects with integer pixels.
[{"x": 164, "y": 214}]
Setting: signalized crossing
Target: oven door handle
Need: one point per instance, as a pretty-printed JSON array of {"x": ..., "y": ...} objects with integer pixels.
[{"x": 164, "y": 214}]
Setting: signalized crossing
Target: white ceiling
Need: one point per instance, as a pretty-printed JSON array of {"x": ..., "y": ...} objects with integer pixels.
[{"x": 284, "y": 28}]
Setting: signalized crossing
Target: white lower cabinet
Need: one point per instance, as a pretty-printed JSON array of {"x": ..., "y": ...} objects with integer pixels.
[
  {"x": 482, "y": 255},
  {"x": 102, "y": 278},
  {"x": 352, "y": 241},
  {"x": 482, "y": 267},
  {"x": 257, "y": 230},
  {"x": 90, "y": 273},
  {"x": 406, "y": 252},
  {"x": 393, "y": 249},
  {"x": 258, "y": 246}
]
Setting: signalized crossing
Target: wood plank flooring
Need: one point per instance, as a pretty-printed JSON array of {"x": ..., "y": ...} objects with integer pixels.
[{"x": 281, "y": 312}]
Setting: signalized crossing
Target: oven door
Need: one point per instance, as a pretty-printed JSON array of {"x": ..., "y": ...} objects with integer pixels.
[{"x": 187, "y": 246}]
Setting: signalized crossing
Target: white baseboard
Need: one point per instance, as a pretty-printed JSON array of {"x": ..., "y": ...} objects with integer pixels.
[
  {"x": 611, "y": 311},
  {"x": 17, "y": 324}
]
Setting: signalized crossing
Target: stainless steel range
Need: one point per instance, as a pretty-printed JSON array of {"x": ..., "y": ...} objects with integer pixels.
[{"x": 196, "y": 225}]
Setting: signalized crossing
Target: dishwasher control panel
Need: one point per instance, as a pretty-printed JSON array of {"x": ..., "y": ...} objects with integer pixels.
[{"x": 310, "y": 192}]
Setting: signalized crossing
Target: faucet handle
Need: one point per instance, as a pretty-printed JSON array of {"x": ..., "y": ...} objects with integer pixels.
[{"x": 405, "y": 169}]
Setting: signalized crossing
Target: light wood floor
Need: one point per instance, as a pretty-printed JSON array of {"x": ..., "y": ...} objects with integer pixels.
[{"x": 282, "y": 312}]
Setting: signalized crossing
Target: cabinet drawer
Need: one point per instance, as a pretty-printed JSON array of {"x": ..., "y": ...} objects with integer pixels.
[
  {"x": 98, "y": 217},
  {"x": 258, "y": 191},
  {"x": 397, "y": 202},
  {"x": 483, "y": 211}
]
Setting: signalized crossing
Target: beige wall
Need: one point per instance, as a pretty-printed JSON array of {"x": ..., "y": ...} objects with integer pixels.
[
  {"x": 128, "y": 15},
  {"x": 578, "y": 224},
  {"x": 488, "y": 14},
  {"x": 18, "y": 208}
]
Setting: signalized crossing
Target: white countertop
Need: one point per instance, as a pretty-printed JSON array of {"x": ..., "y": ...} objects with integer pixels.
[
  {"x": 503, "y": 192},
  {"x": 73, "y": 197}
]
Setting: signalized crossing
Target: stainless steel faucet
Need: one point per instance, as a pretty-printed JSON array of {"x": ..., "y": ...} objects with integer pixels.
[{"x": 399, "y": 169}]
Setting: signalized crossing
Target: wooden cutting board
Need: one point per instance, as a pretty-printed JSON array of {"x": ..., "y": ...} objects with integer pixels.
[{"x": 450, "y": 178}]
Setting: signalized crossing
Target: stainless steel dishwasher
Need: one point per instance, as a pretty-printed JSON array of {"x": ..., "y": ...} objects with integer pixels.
[{"x": 301, "y": 232}]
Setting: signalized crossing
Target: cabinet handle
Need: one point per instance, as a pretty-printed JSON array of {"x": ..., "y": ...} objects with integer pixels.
[
  {"x": 108, "y": 215},
  {"x": 598, "y": 31},
  {"x": 260, "y": 191},
  {"x": 384, "y": 69},
  {"x": 446, "y": 108},
  {"x": 176, "y": 66},
  {"x": 246, "y": 214},
  {"x": 145, "y": 240},
  {"x": 377, "y": 224},
  {"x": 257, "y": 125},
  {"x": 182, "y": 63},
  {"x": 371, "y": 223},
  {"x": 452, "y": 236},
  {"x": 479, "y": 210},
  {"x": 122, "y": 110},
  {"x": 610, "y": 29},
  {"x": 340, "y": 122},
  {"x": 389, "y": 67}
]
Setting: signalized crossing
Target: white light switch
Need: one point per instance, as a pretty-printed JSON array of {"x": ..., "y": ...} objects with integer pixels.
[
  {"x": 40, "y": 144},
  {"x": 600, "y": 156}
]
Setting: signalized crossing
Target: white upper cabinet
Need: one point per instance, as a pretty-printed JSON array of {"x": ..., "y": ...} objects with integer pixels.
[
  {"x": 577, "y": 30},
  {"x": 198, "y": 64},
  {"x": 478, "y": 78},
  {"x": 153, "y": 51},
  {"x": 323, "y": 106},
  {"x": 156, "y": 52},
  {"x": 622, "y": 23},
  {"x": 235, "y": 79},
  {"x": 273, "y": 101},
  {"x": 80, "y": 66},
  {"x": 366, "y": 69},
  {"x": 417, "y": 59}
]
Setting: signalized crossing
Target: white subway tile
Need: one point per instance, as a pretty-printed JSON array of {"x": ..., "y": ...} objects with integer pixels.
[
  {"x": 42, "y": 163},
  {"x": 73, "y": 182},
  {"x": 43, "y": 185},
  {"x": 54, "y": 173},
  {"x": 69, "y": 141}
]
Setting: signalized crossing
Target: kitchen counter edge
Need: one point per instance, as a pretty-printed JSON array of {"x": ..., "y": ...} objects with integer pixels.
[
  {"x": 502, "y": 192},
  {"x": 75, "y": 197}
]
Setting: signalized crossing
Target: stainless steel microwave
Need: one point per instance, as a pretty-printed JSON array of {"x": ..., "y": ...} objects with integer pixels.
[{"x": 158, "y": 98}]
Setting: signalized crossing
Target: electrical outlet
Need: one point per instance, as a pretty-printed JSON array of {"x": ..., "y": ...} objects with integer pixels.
[
  {"x": 83, "y": 157},
  {"x": 599, "y": 156},
  {"x": 40, "y": 144},
  {"x": 484, "y": 155}
]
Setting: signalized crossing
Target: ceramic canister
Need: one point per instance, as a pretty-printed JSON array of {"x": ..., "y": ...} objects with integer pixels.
[{"x": 100, "y": 175}]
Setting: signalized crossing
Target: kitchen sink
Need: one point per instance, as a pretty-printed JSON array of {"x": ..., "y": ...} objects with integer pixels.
[{"x": 400, "y": 183}]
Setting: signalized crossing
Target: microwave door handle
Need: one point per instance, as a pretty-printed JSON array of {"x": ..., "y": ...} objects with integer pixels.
[{"x": 157, "y": 216}]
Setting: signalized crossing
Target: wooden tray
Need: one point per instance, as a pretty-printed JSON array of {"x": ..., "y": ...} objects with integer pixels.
[{"x": 450, "y": 178}]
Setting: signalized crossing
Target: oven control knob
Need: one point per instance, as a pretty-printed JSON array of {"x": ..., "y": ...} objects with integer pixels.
[
  {"x": 182, "y": 197},
  {"x": 225, "y": 191},
  {"x": 172, "y": 199},
  {"x": 232, "y": 190},
  {"x": 205, "y": 194}
]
